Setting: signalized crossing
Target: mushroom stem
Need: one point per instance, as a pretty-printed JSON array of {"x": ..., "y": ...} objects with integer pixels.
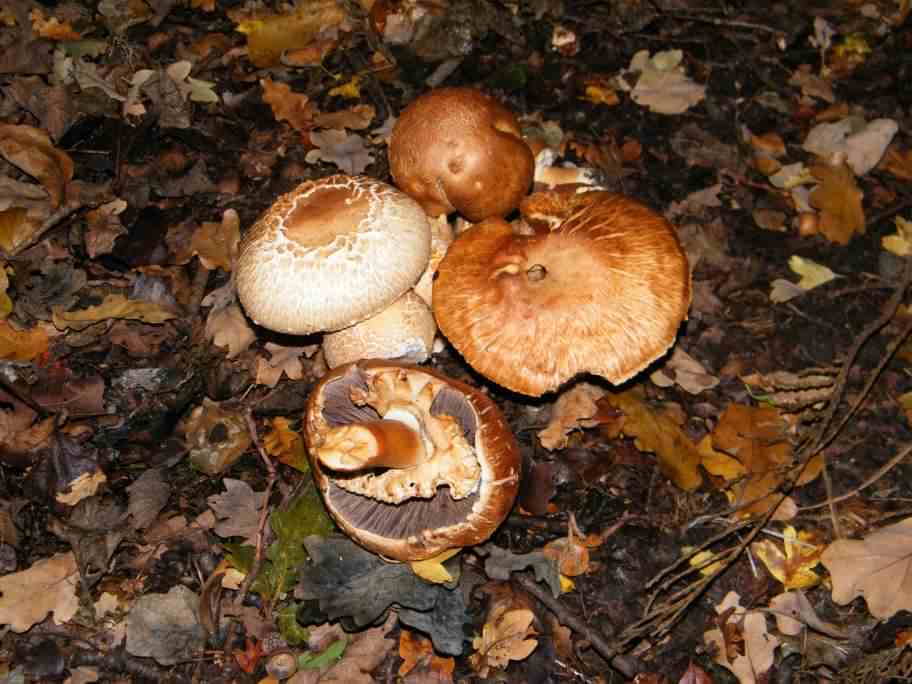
[{"x": 371, "y": 444}]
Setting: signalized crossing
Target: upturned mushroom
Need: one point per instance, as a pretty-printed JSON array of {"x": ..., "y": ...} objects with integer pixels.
[
  {"x": 410, "y": 463},
  {"x": 600, "y": 286},
  {"x": 458, "y": 149},
  {"x": 331, "y": 253}
]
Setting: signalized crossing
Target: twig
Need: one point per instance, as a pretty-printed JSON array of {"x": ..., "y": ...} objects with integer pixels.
[
  {"x": 264, "y": 515},
  {"x": 626, "y": 665},
  {"x": 51, "y": 221}
]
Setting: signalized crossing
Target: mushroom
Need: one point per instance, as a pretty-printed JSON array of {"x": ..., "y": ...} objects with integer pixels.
[
  {"x": 457, "y": 149},
  {"x": 410, "y": 463},
  {"x": 404, "y": 330},
  {"x": 441, "y": 239},
  {"x": 600, "y": 286},
  {"x": 331, "y": 253}
]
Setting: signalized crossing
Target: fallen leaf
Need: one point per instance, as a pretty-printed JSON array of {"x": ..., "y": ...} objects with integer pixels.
[
  {"x": 269, "y": 35},
  {"x": 900, "y": 242},
  {"x": 838, "y": 198},
  {"x": 742, "y": 642},
  {"x": 285, "y": 444},
  {"x": 22, "y": 345},
  {"x": 417, "y": 653},
  {"x": 575, "y": 408},
  {"x": 31, "y": 150},
  {"x": 662, "y": 84},
  {"x": 113, "y": 306},
  {"x": 685, "y": 371},
  {"x": 678, "y": 457},
  {"x": 282, "y": 361},
  {"x": 503, "y": 638},
  {"x": 48, "y": 586},
  {"x": 793, "y": 563},
  {"x": 812, "y": 274},
  {"x": 216, "y": 244},
  {"x": 348, "y": 152},
  {"x": 898, "y": 162},
  {"x": 432, "y": 569},
  {"x": 356, "y": 118},
  {"x": 295, "y": 108},
  {"x": 756, "y": 438},
  {"x": 238, "y": 510},
  {"x": 227, "y": 327},
  {"x": 877, "y": 568}
]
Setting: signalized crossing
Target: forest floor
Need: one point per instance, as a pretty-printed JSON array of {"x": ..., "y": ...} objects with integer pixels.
[{"x": 741, "y": 511}]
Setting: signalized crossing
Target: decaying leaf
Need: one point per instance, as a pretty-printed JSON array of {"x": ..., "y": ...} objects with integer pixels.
[
  {"x": 48, "y": 586},
  {"x": 877, "y": 568},
  {"x": 742, "y": 642},
  {"x": 282, "y": 360},
  {"x": 216, "y": 437},
  {"x": 900, "y": 242},
  {"x": 22, "y": 345},
  {"x": 838, "y": 198},
  {"x": 348, "y": 152},
  {"x": 749, "y": 445},
  {"x": 685, "y": 371},
  {"x": 216, "y": 244},
  {"x": 662, "y": 84},
  {"x": 113, "y": 306},
  {"x": 285, "y": 444},
  {"x": 269, "y": 35},
  {"x": 417, "y": 652},
  {"x": 295, "y": 108},
  {"x": 227, "y": 327},
  {"x": 575, "y": 408},
  {"x": 504, "y": 637},
  {"x": 31, "y": 150},
  {"x": 678, "y": 457},
  {"x": 238, "y": 510},
  {"x": 794, "y": 561}
]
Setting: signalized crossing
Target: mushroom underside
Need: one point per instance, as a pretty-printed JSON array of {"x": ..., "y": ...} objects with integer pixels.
[{"x": 412, "y": 516}]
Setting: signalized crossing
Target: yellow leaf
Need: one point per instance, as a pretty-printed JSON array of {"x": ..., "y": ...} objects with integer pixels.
[
  {"x": 900, "y": 242},
  {"x": 503, "y": 639},
  {"x": 6, "y": 304},
  {"x": 22, "y": 345},
  {"x": 566, "y": 584},
  {"x": 718, "y": 462},
  {"x": 432, "y": 569},
  {"x": 702, "y": 560},
  {"x": 812, "y": 274},
  {"x": 113, "y": 306},
  {"x": 350, "y": 90},
  {"x": 268, "y": 36},
  {"x": 286, "y": 445},
  {"x": 793, "y": 563}
]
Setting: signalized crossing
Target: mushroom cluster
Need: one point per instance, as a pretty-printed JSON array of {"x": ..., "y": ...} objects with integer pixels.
[
  {"x": 335, "y": 253},
  {"x": 410, "y": 463},
  {"x": 596, "y": 282}
]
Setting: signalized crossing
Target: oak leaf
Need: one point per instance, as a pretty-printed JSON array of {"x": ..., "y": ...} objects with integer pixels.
[
  {"x": 793, "y": 563},
  {"x": 838, "y": 198},
  {"x": 113, "y": 306},
  {"x": 878, "y": 568},
  {"x": 417, "y": 651},
  {"x": 48, "y": 586},
  {"x": 503, "y": 639}
]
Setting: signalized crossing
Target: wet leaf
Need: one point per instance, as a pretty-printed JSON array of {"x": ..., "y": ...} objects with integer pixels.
[
  {"x": 838, "y": 198},
  {"x": 286, "y": 445},
  {"x": 113, "y": 306},
  {"x": 22, "y": 345},
  {"x": 418, "y": 652}
]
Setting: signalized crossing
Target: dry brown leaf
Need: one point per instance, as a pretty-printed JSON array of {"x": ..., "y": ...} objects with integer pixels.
[
  {"x": 575, "y": 408},
  {"x": 898, "y": 162},
  {"x": 49, "y": 586},
  {"x": 348, "y": 152},
  {"x": 362, "y": 656},
  {"x": 31, "y": 150},
  {"x": 22, "y": 345},
  {"x": 743, "y": 643},
  {"x": 227, "y": 327},
  {"x": 838, "y": 198},
  {"x": 678, "y": 457},
  {"x": 284, "y": 444},
  {"x": 878, "y": 568},
  {"x": 104, "y": 227},
  {"x": 356, "y": 118},
  {"x": 113, "y": 306},
  {"x": 503, "y": 638},
  {"x": 216, "y": 244},
  {"x": 417, "y": 651},
  {"x": 295, "y": 108},
  {"x": 755, "y": 436},
  {"x": 282, "y": 360},
  {"x": 51, "y": 27}
]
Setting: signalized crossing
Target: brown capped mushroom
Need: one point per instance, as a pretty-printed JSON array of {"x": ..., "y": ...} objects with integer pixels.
[
  {"x": 600, "y": 286},
  {"x": 457, "y": 149},
  {"x": 404, "y": 330},
  {"x": 330, "y": 253},
  {"x": 410, "y": 463}
]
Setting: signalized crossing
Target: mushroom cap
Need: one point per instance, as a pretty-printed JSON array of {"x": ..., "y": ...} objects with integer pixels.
[
  {"x": 404, "y": 330},
  {"x": 457, "y": 149},
  {"x": 601, "y": 286},
  {"x": 330, "y": 253},
  {"x": 416, "y": 528}
]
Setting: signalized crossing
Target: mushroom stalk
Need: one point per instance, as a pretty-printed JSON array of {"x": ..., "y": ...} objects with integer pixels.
[{"x": 382, "y": 443}]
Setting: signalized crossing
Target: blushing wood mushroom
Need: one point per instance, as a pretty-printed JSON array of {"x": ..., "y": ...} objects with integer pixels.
[
  {"x": 458, "y": 149},
  {"x": 600, "y": 286},
  {"x": 331, "y": 253},
  {"x": 410, "y": 463}
]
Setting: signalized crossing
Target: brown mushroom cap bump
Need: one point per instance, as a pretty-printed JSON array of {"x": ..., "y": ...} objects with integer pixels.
[
  {"x": 457, "y": 149},
  {"x": 410, "y": 463},
  {"x": 404, "y": 330},
  {"x": 330, "y": 253},
  {"x": 601, "y": 286}
]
